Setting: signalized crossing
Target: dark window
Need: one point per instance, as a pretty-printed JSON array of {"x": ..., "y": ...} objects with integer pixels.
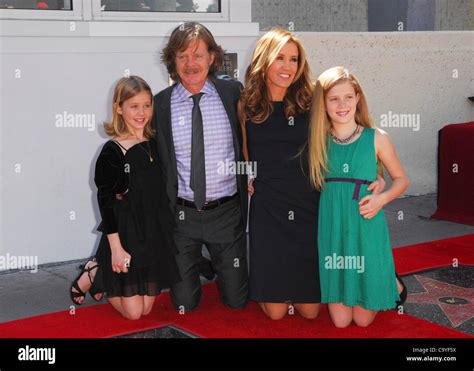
[
  {"x": 33, "y": 4},
  {"x": 185, "y": 6},
  {"x": 402, "y": 15},
  {"x": 388, "y": 15}
]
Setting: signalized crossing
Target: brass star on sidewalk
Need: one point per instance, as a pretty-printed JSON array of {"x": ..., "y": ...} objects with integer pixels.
[{"x": 456, "y": 302}]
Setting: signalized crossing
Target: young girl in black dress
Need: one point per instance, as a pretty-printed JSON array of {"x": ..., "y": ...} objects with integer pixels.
[{"x": 135, "y": 258}]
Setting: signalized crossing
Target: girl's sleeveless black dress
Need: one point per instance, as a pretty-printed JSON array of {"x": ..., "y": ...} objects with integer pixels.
[{"x": 142, "y": 219}]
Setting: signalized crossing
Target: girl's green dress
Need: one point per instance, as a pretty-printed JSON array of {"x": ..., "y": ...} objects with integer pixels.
[{"x": 355, "y": 257}]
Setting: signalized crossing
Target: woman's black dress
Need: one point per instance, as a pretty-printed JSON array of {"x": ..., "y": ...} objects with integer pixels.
[
  {"x": 283, "y": 220},
  {"x": 142, "y": 219}
]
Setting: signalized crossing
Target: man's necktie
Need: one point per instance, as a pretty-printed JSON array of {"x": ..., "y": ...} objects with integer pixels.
[{"x": 198, "y": 168}]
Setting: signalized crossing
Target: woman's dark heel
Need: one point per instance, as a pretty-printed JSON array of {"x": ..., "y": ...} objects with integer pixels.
[
  {"x": 93, "y": 292},
  {"x": 403, "y": 294},
  {"x": 75, "y": 284}
]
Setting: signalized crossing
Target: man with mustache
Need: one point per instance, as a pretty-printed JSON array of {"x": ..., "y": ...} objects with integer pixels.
[{"x": 197, "y": 129}]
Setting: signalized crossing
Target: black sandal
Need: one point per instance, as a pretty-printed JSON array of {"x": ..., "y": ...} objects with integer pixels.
[
  {"x": 93, "y": 292},
  {"x": 75, "y": 284},
  {"x": 403, "y": 294}
]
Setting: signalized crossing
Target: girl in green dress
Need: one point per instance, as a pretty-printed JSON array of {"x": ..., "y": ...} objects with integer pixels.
[{"x": 345, "y": 150}]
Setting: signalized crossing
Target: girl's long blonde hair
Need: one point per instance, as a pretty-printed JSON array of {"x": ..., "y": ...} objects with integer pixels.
[
  {"x": 126, "y": 88},
  {"x": 255, "y": 103},
  {"x": 320, "y": 124}
]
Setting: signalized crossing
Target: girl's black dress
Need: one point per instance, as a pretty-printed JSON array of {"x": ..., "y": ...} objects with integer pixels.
[{"x": 142, "y": 219}]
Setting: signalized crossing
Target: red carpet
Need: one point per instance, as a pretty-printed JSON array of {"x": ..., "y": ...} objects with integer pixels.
[
  {"x": 434, "y": 254},
  {"x": 214, "y": 320}
]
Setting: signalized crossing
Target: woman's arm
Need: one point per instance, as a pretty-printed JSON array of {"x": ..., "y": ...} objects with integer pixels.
[
  {"x": 241, "y": 115},
  {"x": 377, "y": 186},
  {"x": 245, "y": 150},
  {"x": 370, "y": 205}
]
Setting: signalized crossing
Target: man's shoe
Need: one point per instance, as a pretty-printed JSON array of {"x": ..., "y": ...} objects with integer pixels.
[{"x": 205, "y": 269}]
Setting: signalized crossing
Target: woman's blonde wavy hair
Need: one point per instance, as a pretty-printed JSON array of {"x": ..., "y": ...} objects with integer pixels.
[
  {"x": 320, "y": 124},
  {"x": 255, "y": 102},
  {"x": 126, "y": 88}
]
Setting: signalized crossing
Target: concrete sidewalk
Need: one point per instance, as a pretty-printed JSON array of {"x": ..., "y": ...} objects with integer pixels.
[{"x": 24, "y": 294}]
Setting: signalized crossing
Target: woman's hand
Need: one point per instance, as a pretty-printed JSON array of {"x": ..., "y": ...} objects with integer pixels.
[
  {"x": 370, "y": 205},
  {"x": 121, "y": 196},
  {"x": 377, "y": 186},
  {"x": 120, "y": 260},
  {"x": 250, "y": 188}
]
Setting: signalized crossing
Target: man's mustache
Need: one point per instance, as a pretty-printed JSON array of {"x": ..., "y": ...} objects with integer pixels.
[{"x": 191, "y": 70}]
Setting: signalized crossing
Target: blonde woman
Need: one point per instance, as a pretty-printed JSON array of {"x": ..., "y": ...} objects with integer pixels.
[
  {"x": 355, "y": 257},
  {"x": 136, "y": 255}
]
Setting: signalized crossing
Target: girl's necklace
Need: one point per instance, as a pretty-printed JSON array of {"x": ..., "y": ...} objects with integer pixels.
[
  {"x": 345, "y": 140},
  {"x": 148, "y": 145},
  {"x": 149, "y": 150}
]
